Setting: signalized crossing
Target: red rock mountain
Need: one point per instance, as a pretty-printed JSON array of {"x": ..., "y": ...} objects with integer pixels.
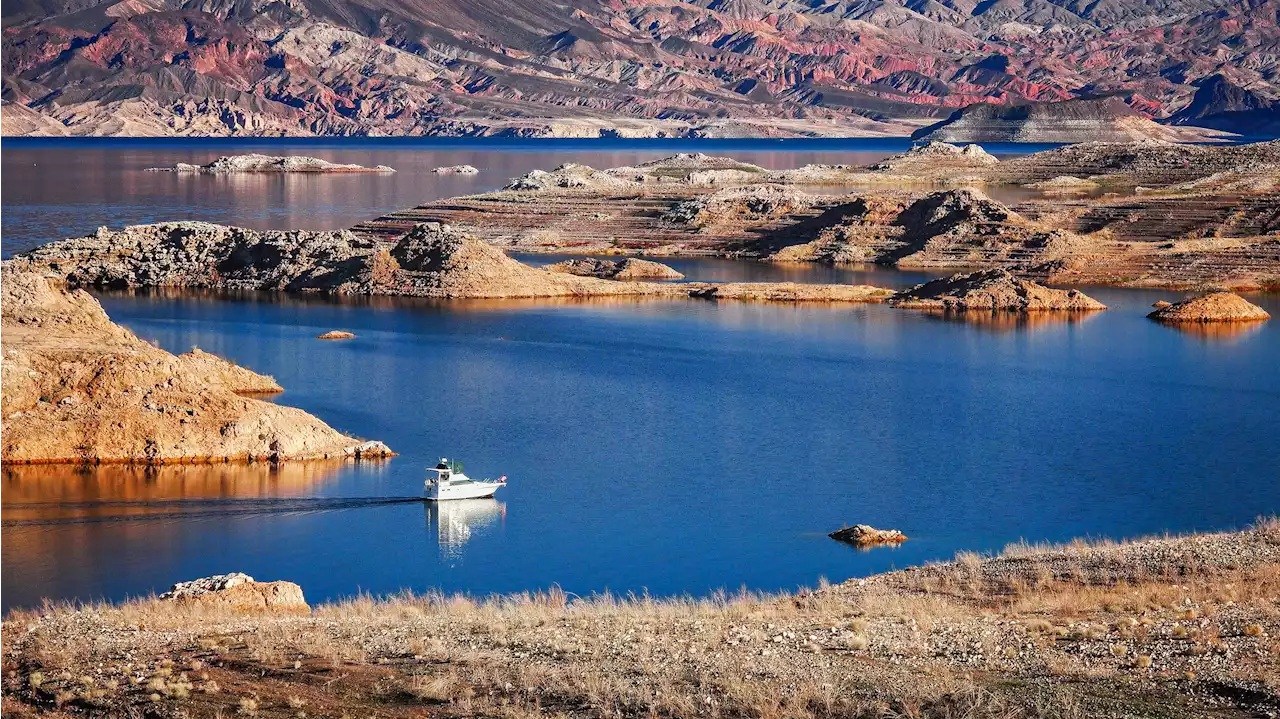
[{"x": 587, "y": 67}]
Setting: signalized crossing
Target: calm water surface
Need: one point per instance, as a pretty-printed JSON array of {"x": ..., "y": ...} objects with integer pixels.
[
  {"x": 52, "y": 189},
  {"x": 669, "y": 447},
  {"x": 663, "y": 446}
]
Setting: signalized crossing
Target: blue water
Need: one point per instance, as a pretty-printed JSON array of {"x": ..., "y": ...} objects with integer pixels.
[
  {"x": 670, "y": 446},
  {"x": 57, "y": 188},
  {"x": 661, "y": 446}
]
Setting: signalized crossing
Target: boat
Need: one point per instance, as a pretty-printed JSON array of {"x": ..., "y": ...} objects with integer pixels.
[{"x": 451, "y": 483}]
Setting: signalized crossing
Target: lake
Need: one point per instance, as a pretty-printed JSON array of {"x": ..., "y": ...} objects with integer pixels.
[
  {"x": 53, "y": 189},
  {"x": 668, "y": 447}
]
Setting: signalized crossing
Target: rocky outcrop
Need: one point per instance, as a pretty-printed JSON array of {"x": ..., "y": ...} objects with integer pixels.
[
  {"x": 738, "y": 206},
  {"x": 336, "y": 335},
  {"x": 936, "y": 158},
  {"x": 1211, "y": 307},
  {"x": 78, "y": 388},
  {"x": 866, "y": 535},
  {"x": 791, "y": 292},
  {"x": 239, "y": 592},
  {"x": 216, "y": 370},
  {"x": 1064, "y": 185},
  {"x": 431, "y": 260},
  {"x": 456, "y": 170},
  {"x": 992, "y": 290},
  {"x": 268, "y": 163},
  {"x": 1108, "y": 120},
  {"x": 625, "y": 269}
]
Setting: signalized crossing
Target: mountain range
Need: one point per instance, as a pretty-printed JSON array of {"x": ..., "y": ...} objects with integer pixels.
[{"x": 586, "y": 68}]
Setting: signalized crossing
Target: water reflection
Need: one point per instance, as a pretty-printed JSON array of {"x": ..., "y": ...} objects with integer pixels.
[
  {"x": 457, "y": 520},
  {"x": 1005, "y": 321},
  {"x": 27, "y": 487},
  {"x": 1216, "y": 331}
]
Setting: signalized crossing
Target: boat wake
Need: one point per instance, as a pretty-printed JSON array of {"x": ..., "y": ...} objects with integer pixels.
[{"x": 57, "y": 513}]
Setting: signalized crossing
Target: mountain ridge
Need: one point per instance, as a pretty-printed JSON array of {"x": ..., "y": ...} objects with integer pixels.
[{"x": 611, "y": 67}]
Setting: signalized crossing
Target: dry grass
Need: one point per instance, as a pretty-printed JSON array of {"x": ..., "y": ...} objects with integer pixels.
[{"x": 981, "y": 637}]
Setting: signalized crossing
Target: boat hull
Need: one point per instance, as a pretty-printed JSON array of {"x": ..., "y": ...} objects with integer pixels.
[{"x": 470, "y": 490}]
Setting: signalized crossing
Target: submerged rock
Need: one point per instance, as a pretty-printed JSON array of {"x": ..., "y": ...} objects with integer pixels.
[
  {"x": 336, "y": 335},
  {"x": 863, "y": 534},
  {"x": 239, "y": 592},
  {"x": 626, "y": 269},
  {"x": 268, "y": 163},
  {"x": 992, "y": 290},
  {"x": 1219, "y": 306}
]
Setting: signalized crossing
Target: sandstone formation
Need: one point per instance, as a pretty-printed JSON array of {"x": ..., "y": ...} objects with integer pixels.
[
  {"x": 238, "y": 592},
  {"x": 791, "y": 292},
  {"x": 865, "y": 535},
  {"x": 78, "y": 388},
  {"x": 268, "y": 163},
  {"x": 1211, "y": 307},
  {"x": 336, "y": 335},
  {"x": 991, "y": 290},
  {"x": 1108, "y": 120},
  {"x": 626, "y": 269},
  {"x": 456, "y": 170}
]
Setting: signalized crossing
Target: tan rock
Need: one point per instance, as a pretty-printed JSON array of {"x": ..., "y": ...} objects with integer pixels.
[
  {"x": 991, "y": 290},
  {"x": 215, "y": 369},
  {"x": 791, "y": 292},
  {"x": 626, "y": 269},
  {"x": 336, "y": 335},
  {"x": 76, "y": 387},
  {"x": 863, "y": 534},
  {"x": 1212, "y": 307},
  {"x": 239, "y": 592}
]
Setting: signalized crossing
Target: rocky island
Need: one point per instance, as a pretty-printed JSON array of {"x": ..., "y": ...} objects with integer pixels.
[
  {"x": 1210, "y": 307},
  {"x": 268, "y": 163},
  {"x": 992, "y": 290},
  {"x": 77, "y": 388}
]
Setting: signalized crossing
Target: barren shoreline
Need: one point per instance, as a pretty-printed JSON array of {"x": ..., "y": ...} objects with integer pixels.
[{"x": 1172, "y": 626}]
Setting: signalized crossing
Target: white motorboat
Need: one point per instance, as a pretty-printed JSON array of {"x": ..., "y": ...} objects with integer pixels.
[{"x": 451, "y": 483}]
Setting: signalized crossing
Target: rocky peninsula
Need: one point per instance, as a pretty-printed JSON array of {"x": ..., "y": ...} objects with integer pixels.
[
  {"x": 430, "y": 260},
  {"x": 629, "y": 268},
  {"x": 1173, "y": 626},
  {"x": 269, "y": 163},
  {"x": 1149, "y": 213},
  {"x": 77, "y": 388}
]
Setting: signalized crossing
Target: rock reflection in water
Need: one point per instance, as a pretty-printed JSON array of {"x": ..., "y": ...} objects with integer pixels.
[
  {"x": 1005, "y": 321},
  {"x": 457, "y": 520}
]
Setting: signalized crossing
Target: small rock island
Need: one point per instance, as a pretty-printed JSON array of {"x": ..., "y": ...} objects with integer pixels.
[{"x": 270, "y": 163}]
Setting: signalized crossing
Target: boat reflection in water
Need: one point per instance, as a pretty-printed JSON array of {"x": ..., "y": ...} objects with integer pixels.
[{"x": 457, "y": 520}]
